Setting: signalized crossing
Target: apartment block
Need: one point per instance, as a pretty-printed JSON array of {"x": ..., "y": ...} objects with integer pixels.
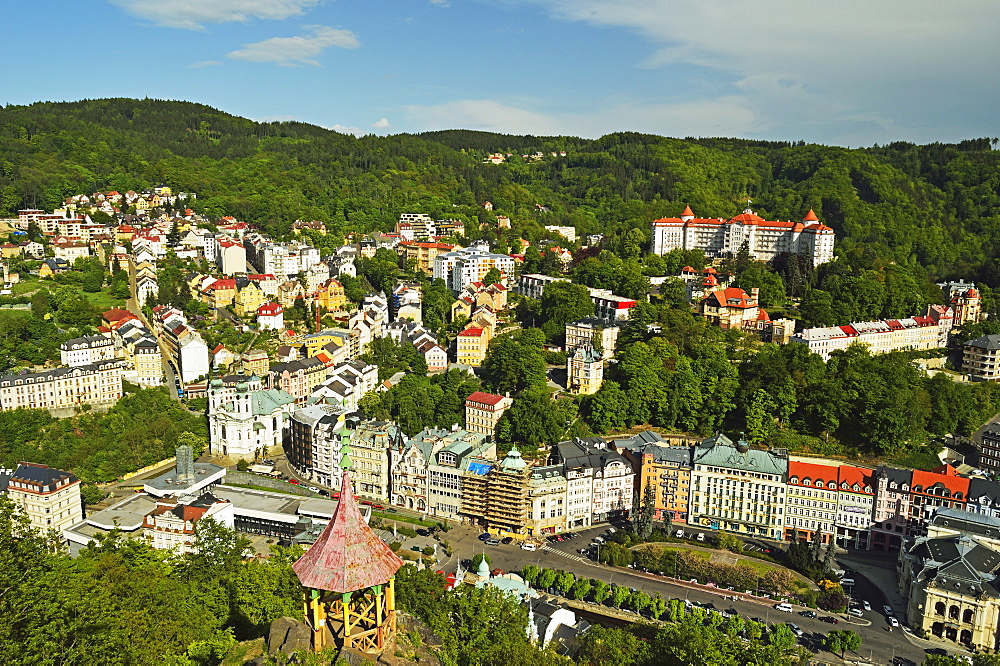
[
  {"x": 50, "y": 497},
  {"x": 63, "y": 388}
]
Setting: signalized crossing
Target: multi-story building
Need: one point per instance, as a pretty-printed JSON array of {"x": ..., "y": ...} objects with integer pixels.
[
  {"x": 330, "y": 295},
  {"x": 63, "y": 388},
  {"x": 423, "y": 254},
  {"x": 86, "y": 350},
  {"x": 981, "y": 358},
  {"x": 245, "y": 420},
  {"x": 147, "y": 362},
  {"x": 495, "y": 495},
  {"x": 891, "y": 523},
  {"x": 483, "y": 412},
  {"x": 855, "y": 506},
  {"x": 471, "y": 346},
  {"x": 811, "y": 501},
  {"x": 533, "y": 285},
  {"x": 50, "y": 497},
  {"x": 738, "y": 489},
  {"x": 731, "y": 308},
  {"x": 764, "y": 239},
  {"x": 988, "y": 447},
  {"x": 185, "y": 349},
  {"x": 965, "y": 300},
  {"x": 593, "y": 332},
  {"x": 949, "y": 579},
  {"x": 584, "y": 371},
  {"x": 600, "y": 482},
  {"x": 921, "y": 332},
  {"x": 665, "y": 468},
  {"x": 463, "y": 266},
  {"x": 316, "y": 442},
  {"x": 547, "y": 494},
  {"x": 371, "y": 446},
  {"x": 941, "y": 487},
  {"x": 298, "y": 378},
  {"x": 172, "y": 524},
  {"x": 346, "y": 384}
]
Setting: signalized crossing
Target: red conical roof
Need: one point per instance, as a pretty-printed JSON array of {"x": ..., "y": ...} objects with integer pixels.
[
  {"x": 687, "y": 211},
  {"x": 810, "y": 217},
  {"x": 347, "y": 556}
]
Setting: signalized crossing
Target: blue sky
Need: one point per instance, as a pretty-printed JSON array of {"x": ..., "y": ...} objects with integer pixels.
[{"x": 849, "y": 72}]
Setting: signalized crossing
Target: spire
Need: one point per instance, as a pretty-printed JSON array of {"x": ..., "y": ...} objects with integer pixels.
[
  {"x": 348, "y": 555},
  {"x": 688, "y": 213},
  {"x": 810, "y": 217}
]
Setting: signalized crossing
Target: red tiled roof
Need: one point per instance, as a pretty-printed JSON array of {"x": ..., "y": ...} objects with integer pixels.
[
  {"x": 863, "y": 478},
  {"x": 733, "y": 297},
  {"x": 687, "y": 212},
  {"x": 114, "y": 314},
  {"x": 810, "y": 216},
  {"x": 945, "y": 475},
  {"x": 348, "y": 555},
  {"x": 270, "y": 309},
  {"x": 486, "y": 398},
  {"x": 471, "y": 333},
  {"x": 811, "y": 471}
]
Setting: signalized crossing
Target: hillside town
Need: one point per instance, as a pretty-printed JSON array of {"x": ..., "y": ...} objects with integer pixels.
[{"x": 290, "y": 350}]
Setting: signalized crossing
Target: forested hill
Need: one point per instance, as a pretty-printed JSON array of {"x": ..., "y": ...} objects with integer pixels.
[{"x": 936, "y": 206}]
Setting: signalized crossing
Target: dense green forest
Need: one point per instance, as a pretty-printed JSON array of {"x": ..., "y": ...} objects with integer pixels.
[{"x": 936, "y": 207}]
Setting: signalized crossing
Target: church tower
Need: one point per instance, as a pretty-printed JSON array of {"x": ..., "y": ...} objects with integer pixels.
[{"x": 349, "y": 580}]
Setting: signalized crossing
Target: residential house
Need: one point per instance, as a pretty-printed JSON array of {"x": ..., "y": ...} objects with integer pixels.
[
  {"x": 584, "y": 371},
  {"x": 981, "y": 358},
  {"x": 271, "y": 317},
  {"x": 892, "y": 523},
  {"x": 86, "y": 350},
  {"x": 330, "y": 295},
  {"x": 346, "y": 384},
  {"x": 495, "y": 495},
  {"x": 592, "y": 332}
]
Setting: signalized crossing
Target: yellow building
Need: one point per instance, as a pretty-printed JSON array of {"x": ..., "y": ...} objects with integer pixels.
[
  {"x": 248, "y": 299},
  {"x": 256, "y": 362},
  {"x": 330, "y": 295},
  {"x": 470, "y": 348},
  {"x": 584, "y": 371}
]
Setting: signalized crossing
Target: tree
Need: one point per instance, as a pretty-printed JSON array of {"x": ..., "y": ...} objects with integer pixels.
[
  {"x": 604, "y": 646},
  {"x": 581, "y": 588},
  {"x": 781, "y": 636},
  {"x": 639, "y": 600},
  {"x": 729, "y": 542},
  {"x": 561, "y": 303},
  {"x": 619, "y": 595},
  {"x": 546, "y": 579},
  {"x": 564, "y": 582},
  {"x": 644, "y": 520},
  {"x": 842, "y": 640},
  {"x": 830, "y": 561},
  {"x": 657, "y": 606},
  {"x": 479, "y": 557},
  {"x": 492, "y": 276},
  {"x": 601, "y": 591},
  {"x": 816, "y": 545},
  {"x": 530, "y": 573}
]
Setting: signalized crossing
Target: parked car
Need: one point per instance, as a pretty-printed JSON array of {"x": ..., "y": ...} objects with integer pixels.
[
  {"x": 294, "y": 481},
  {"x": 829, "y": 619},
  {"x": 492, "y": 542},
  {"x": 893, "y": 622},
  {"x": 701, "y": 536},
  {"x": 888, "y": 609},
  {"x": 314, "y": 489},
  {"x": 484, "y": 536},
  {"x": 506, "y": 540},
  {"x": 855, "y": 611},
  {"x": 807, "y": 613},
  {"x": 527, "y": 545},
  {"x": 847, "y": 582},
  {"x": 422, "y": 532},
  {"x": 268, "y": 462},
  {"x": 795, "y": 629},
  {"x": 865, "y": 604},
  {"x": 783, "y": 607},
  {"x": 679, "y": 534}
]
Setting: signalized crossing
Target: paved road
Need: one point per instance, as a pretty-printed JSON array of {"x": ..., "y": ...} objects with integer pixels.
[{"x": 883, "y": 645}]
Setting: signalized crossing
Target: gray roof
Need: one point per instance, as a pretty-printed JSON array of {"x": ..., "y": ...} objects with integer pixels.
[
  {"x": 650, "y": 443},
  {"x": 587, "y": 452},
  {"x": 56, "y": 373},
  {"x": 980, "y": 487},
  {"x": 987, "y": 342},
  {"x": 967, "y": 521},
  {"x": 902, "y": 477},
  {"x": 41, "y": 475},
  {"x": 719, "y": 451}
]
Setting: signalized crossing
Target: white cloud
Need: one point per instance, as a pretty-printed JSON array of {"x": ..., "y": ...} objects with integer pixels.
[
  {"x": 892, "y": 67},
  {"x": 204, "y": 63},
  {"x": 481, "y": 114},
  {"x": 381, "y": 123},
  {"x": 302, "y": 50},
  {"x": 441, "y": 3},
  {"x": 194, "y": 14}
]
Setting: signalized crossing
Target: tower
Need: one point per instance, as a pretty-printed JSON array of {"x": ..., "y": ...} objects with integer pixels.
[{"x": 349, "y": 580}]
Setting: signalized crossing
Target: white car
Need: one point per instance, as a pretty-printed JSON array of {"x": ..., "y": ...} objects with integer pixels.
[
  {"x": 679, "y": 534},
  {"x": 847, "y": 582},
  {"x": 865, "y": 604},
  {"x": 893, "y": 622},
  {"x": 783, "y": 607},
  {"x": 855, "y": 611},
  {"x": 528, "y": 546},
  {"x": 701, "y": 536},
  {"x": 314, "y": 489}
]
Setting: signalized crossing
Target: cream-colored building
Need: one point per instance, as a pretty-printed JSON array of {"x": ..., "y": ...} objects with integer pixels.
[
  {"x": 592, "y": 332},
  {"x": 50, "y": 497},
  {"x": 547, "y": 492},
  {"x": 483, "y": 412},
  {"x": 738, "y": 489},
  {"x": 950, "y": 579},
  {"x": 63, "y": 388}
]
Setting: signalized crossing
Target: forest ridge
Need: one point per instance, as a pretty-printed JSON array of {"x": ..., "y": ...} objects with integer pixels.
[{"x": 934, "y": 206}]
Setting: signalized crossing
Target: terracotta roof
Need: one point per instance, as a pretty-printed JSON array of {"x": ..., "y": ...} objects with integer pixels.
[
  {"x": 270, "y": 309},
  {"x": 863, "y": 478},
  {"x": 348, "y": 555},
  {"x": 811, "y": 471},
  {"x": 687, "y": 211},
  {"x": 944, "y": 475},
  {"x": 487, "y": 398},
  {"x": 471, "y": 332},
  {"x": 810, "y": 216},
  {"x": 733, "y": 297}
]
